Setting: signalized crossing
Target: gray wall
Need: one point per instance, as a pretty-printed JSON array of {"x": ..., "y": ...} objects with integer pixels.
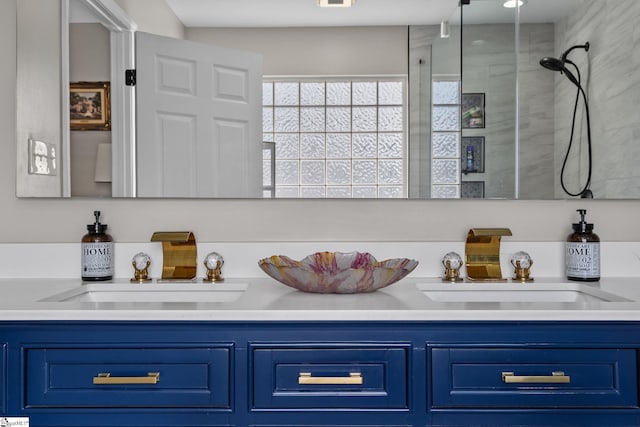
[
  {"x": 88, "y": 62},
  {"x": 490, "y": 68},
  {"x": 38, "y": 89},
  {"x": 153, "y": 16},
  {"x": 611, "y": 27},
  {"x": 316, "y": 51},
  {"x": 44, "y": 220},
  {"x": 536, "y": 113}
]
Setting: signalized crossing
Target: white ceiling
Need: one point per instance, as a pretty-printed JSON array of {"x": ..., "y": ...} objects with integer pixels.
[
  {"x": 304, "y": 13},
  {"x": 301, "y": 13}
]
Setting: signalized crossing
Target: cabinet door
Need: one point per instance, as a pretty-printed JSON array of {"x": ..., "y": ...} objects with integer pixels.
[
  {"x": 330, "y": 377},
  {"x": 534, "y": 378},
  {"x": 128, "y": 377}
]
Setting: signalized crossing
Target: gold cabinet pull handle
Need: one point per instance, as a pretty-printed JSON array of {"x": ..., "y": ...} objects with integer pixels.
[
  {"x": 353, "y": 378},
  {"x": 106, "y": 378},
  {"x": 555, "y": 377}
]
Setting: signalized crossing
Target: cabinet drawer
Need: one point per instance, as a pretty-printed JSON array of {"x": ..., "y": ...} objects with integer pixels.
[
  {"x": 545, "y": 378},
  {"x": 128, "y": 377},
  {"x": 321, "y": 377}
]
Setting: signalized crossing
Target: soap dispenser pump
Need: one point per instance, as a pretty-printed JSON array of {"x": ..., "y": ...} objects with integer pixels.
[
  {"x": 583, "y": 252},
  {"x": 97, "y": 252}
]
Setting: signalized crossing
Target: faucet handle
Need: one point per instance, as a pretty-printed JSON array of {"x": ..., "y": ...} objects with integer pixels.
[
  {"x": 213, "y": 262},
  {"x": 452, "y": 263},
  {"x": 522, "y": 263},
  {"x": 141, "y": 263}
]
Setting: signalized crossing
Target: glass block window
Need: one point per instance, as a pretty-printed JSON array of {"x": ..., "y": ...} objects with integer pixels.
[
  {"x": 445, "y": 139},
  {"x": 338, "y": 138}
]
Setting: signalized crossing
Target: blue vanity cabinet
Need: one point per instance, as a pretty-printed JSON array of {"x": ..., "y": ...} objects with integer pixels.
[
  {"x": 284, "y": 374},
  {"x": 3, "y": 378}
]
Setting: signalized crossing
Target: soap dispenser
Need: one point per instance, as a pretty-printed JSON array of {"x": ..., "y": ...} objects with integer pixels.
[
  {"x": 583, "y": 252},
  {"x": 97, "y": 252}
]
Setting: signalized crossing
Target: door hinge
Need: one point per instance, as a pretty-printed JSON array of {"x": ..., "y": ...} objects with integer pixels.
[{"x": 130, "y": 77}]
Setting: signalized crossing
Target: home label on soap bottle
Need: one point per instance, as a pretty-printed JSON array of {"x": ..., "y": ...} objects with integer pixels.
[
  {"x": 97, "y": 260},
  {"x": 583, "y": 260},
  {"x": 97, "y": 252}
]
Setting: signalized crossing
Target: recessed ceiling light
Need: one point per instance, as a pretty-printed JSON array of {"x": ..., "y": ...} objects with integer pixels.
[
  {"x": 514, "y": 3},
  {"x": 336, "y": 3}
]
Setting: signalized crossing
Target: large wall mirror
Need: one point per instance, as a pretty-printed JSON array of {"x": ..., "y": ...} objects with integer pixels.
[{"x": 437, "y": 102}]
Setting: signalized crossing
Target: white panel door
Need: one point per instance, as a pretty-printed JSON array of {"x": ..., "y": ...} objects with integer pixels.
[{"x": 199, "y": 115}]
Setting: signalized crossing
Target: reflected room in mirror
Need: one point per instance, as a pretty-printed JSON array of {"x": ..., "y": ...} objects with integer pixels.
[{"x": 360, "y": 104}]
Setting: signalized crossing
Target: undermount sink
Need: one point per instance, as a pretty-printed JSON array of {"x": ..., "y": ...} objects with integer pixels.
[
  {"x": 152, "y": 292},
  {"x": 517, "y": 293}
]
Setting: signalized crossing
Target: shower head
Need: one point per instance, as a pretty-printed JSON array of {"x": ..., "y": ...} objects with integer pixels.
[{"x": 555, "y": 64}]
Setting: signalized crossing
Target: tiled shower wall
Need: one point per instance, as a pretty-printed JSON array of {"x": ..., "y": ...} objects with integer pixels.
[
  {"x": 536, "y": 113},
  {"x": 611, "y": 69},
  {"x": 490, "y": 68}
]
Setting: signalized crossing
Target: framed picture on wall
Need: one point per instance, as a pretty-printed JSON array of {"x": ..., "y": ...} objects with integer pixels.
[
  {"x": 473, "y": 111},
  {"x": 90, "y": 107}
]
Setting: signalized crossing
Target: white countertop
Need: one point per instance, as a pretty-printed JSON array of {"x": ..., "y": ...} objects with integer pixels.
[{"x": 267, "y": 300}]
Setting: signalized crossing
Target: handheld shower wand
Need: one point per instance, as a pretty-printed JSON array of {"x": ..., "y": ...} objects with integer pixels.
[{"x": 555, "y": 64}]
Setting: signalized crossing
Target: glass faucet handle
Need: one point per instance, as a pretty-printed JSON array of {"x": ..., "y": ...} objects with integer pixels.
[
  {"x": 521, "y": 260},
  {"x": 141, "y": 263},
  {"x": 213, "y": 262},
  {"x": 452, "y": 263},
  {"x": 452, "y": 260}
]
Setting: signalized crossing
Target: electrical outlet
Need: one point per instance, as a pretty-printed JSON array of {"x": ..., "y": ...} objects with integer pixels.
[{"x": 43, "y": 159}]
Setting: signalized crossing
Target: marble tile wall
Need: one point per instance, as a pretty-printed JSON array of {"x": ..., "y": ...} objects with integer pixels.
[
  {"x": 611, "y": 69},
  {"x": 536, "y": 149},
  {"x": 489, "y": 67},
  {"x": 613, "y": 84}
]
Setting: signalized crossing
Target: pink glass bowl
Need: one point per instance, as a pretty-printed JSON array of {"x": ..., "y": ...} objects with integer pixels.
[{"x": 337, "y": 272}]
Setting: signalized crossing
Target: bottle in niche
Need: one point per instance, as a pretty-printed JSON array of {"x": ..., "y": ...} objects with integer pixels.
[
  {"x": 470, "y": 159},
  {"x": 582, "y": 256},
  {"x": 97, "y": 252}
]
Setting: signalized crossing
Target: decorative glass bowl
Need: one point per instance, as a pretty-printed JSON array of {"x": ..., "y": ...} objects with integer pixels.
[{"x": 337, "y": 272}]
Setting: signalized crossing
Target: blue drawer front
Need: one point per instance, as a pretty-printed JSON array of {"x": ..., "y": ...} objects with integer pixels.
[
  {"x": 192, "y": 377},
  {"x": 382, "y": 373},
  {"x": 474, "y": 378}
]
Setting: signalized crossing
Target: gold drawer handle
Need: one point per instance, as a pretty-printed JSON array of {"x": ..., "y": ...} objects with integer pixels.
[
  {"x": 353, "y": 378},
  {"x": 555, "y": 377},
  {"x": 106, "y": 378}
]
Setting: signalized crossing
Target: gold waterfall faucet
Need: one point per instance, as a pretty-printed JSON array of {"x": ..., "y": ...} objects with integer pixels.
[
  {"x": 482, "y": 253},
  {"x": 179, "y": 254}
]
